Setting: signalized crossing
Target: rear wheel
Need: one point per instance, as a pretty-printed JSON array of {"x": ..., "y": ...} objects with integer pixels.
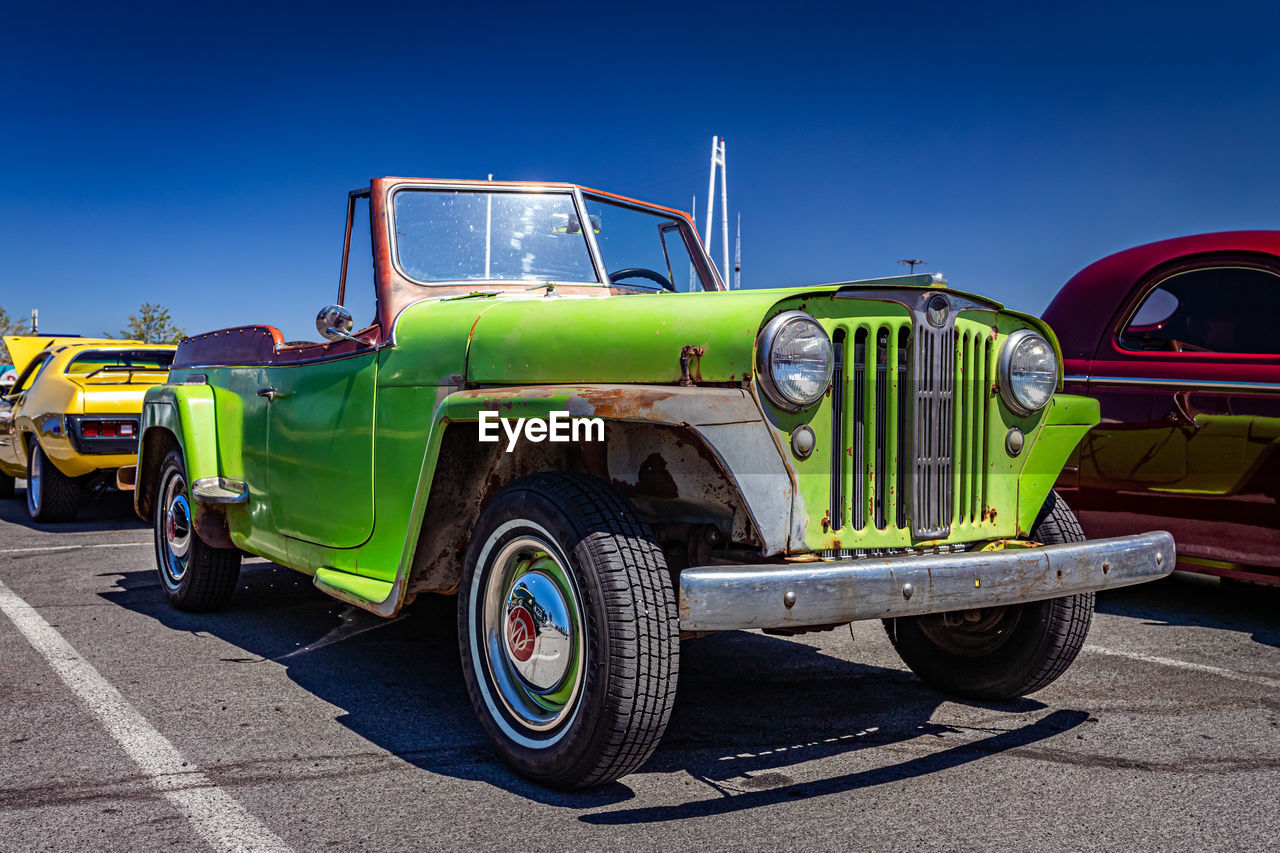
[
  {"x": 569, "y": 631},
  {"x": 1001, "y": 652},
  {"x": 194, "y": 576},
  {"x": 52, "y": 496}
]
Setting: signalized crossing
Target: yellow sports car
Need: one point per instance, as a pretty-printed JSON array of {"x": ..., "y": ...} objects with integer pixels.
[{"x": 71, "y": 419}]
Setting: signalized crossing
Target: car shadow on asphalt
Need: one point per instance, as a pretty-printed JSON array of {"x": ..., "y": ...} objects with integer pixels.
[
  {"x": 1200, "y": 602},
  {"x": 750, "y": 706},
  {"x": 109, "y": 512}
]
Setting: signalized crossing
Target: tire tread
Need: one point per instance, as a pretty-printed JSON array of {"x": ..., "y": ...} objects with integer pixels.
[{"x": 59, "y": 494}]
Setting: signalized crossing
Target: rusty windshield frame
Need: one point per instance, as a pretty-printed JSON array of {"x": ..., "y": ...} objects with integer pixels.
[
  {"x": 707, "y": 272},
  {"x": 572, "y": 192}
]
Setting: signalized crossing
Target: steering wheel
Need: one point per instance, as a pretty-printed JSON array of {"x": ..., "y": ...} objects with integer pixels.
[
  {"x": 643, "y": 272},
  {"x": 1183, "y": 346}
]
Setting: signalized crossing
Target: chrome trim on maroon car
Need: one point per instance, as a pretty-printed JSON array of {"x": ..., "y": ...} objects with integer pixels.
[{"x": 1182, "y": 384}]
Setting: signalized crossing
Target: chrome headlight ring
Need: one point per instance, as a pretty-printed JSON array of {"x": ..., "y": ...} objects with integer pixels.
[
  {"x": 796, "y": 360},
  {"x": 1028, "y": 371}
]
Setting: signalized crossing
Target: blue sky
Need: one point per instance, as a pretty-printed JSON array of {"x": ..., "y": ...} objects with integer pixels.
[{"x": 199, "y": 156}]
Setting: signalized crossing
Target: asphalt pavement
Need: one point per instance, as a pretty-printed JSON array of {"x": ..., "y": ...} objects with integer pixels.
[{"x": 293, "y": 721}]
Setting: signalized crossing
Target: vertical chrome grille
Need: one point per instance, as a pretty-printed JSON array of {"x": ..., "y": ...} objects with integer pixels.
[
  {"x": 910, "y": 409},
  {"x": 933, "y": 374}
]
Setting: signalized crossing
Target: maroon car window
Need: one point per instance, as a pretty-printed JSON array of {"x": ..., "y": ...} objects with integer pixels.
[{"x": 1213, "y": 309}]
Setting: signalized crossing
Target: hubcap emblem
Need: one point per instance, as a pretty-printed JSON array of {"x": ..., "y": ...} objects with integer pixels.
[{"x": 520, "y": 634}]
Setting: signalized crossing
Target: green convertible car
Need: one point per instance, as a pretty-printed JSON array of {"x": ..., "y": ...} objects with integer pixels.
[{"x": 559, "y": 414}]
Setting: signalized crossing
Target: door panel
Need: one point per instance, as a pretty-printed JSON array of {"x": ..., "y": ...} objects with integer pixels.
[
  {"x": 1134, "y": 446},
  {"x": 1189, "y": 392},
  {"x": 320, "y": 450}
]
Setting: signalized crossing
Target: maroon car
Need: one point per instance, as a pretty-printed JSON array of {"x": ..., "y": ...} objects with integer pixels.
[{"x": 1179, "y": 341}]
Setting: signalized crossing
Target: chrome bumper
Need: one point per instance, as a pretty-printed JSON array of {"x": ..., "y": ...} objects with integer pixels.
[{"x": 725, "y": 598}]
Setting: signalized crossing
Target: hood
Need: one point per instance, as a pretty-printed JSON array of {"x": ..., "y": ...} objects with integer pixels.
[
  {"x": 23, "y": 348},
  {"x": 640, "y": 339},
  {"x": 618, "y": 339}
]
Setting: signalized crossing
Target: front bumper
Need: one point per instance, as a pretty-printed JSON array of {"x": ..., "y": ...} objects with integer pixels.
[{"x": 795, "y": 595}]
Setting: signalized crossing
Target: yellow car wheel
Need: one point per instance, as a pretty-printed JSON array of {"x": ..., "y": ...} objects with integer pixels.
[{"x": 52, "y": 496}]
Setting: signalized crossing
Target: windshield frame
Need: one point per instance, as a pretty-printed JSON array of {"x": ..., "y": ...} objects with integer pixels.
[
  {"x": 574, "y": 193},
  {"x": 706, "y": 270}
]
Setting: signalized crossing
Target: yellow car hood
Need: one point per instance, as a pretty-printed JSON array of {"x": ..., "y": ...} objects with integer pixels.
[{"x": 23, "y": 348}]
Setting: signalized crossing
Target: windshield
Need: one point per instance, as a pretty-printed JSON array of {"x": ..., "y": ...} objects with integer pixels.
[
  {"x": 93, "y": 362},
  {"x": 445, "y": 235},
  {"x": 644, "y": 248}
]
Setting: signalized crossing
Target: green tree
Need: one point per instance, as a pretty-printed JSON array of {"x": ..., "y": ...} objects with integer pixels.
[
  {"x": 10, "y": 326},
  {"x": 151, "y": 324}
]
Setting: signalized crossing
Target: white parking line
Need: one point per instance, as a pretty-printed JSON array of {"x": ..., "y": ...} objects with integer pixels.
[
  {"x": 72, "y": 547},
  {"x": 221, "y": 821},
  {"x": 1182, "y": 664}
]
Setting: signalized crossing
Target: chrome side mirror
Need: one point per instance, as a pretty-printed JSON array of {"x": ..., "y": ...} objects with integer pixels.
[{"x": 334, "y": 323}]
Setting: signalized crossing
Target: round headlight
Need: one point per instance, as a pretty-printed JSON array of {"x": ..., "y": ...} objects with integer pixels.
[
  {"x": 1028, "y": 372},
  {"x": 795, "y": 360}
]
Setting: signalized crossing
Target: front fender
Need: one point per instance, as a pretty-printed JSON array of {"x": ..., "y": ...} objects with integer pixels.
[
  {"x": 727, "y": 420},
  {"x": 1066, "y": 422}
]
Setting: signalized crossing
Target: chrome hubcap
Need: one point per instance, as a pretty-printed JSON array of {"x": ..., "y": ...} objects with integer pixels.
[
  {"x": 175, "y": 531},
  {"x": 530, "y": 628}
]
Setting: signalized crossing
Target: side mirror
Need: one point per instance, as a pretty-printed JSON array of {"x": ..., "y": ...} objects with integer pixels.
[{"x": 334, "y": 323}]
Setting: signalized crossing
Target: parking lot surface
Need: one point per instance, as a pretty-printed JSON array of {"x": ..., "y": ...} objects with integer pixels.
[{"x": 293, "y": 721}]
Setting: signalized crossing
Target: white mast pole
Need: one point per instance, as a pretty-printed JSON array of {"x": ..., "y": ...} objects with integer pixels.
[
  {"x": 711, "y": 195},
  {"x": 724, "y": 208}
]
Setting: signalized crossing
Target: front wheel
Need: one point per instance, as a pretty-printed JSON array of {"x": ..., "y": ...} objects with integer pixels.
[
  {"x": 52, "y": 496},
  {"x": 568, "y": 630},
  {"x": 194, "y": 576},
  {"x": 998, "y": 653}
]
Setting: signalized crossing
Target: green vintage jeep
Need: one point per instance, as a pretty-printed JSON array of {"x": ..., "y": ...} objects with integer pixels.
[{"x": 558, "y": 414}]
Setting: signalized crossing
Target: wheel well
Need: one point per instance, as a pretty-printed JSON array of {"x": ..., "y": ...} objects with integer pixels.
[
  {"x": 666, "y": 471},
  {"x": 156, "y": 444}
]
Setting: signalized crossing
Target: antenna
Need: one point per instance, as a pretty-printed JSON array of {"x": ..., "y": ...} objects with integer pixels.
[
  {"x": 35, "y": 321},
  {"x": 737, "y": 258},
  {"x": 718, "y": 161},
  {"x": 910, "y": 263}
]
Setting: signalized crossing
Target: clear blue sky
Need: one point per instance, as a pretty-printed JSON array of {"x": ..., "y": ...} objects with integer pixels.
[{"x": 199, "y": 155}]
